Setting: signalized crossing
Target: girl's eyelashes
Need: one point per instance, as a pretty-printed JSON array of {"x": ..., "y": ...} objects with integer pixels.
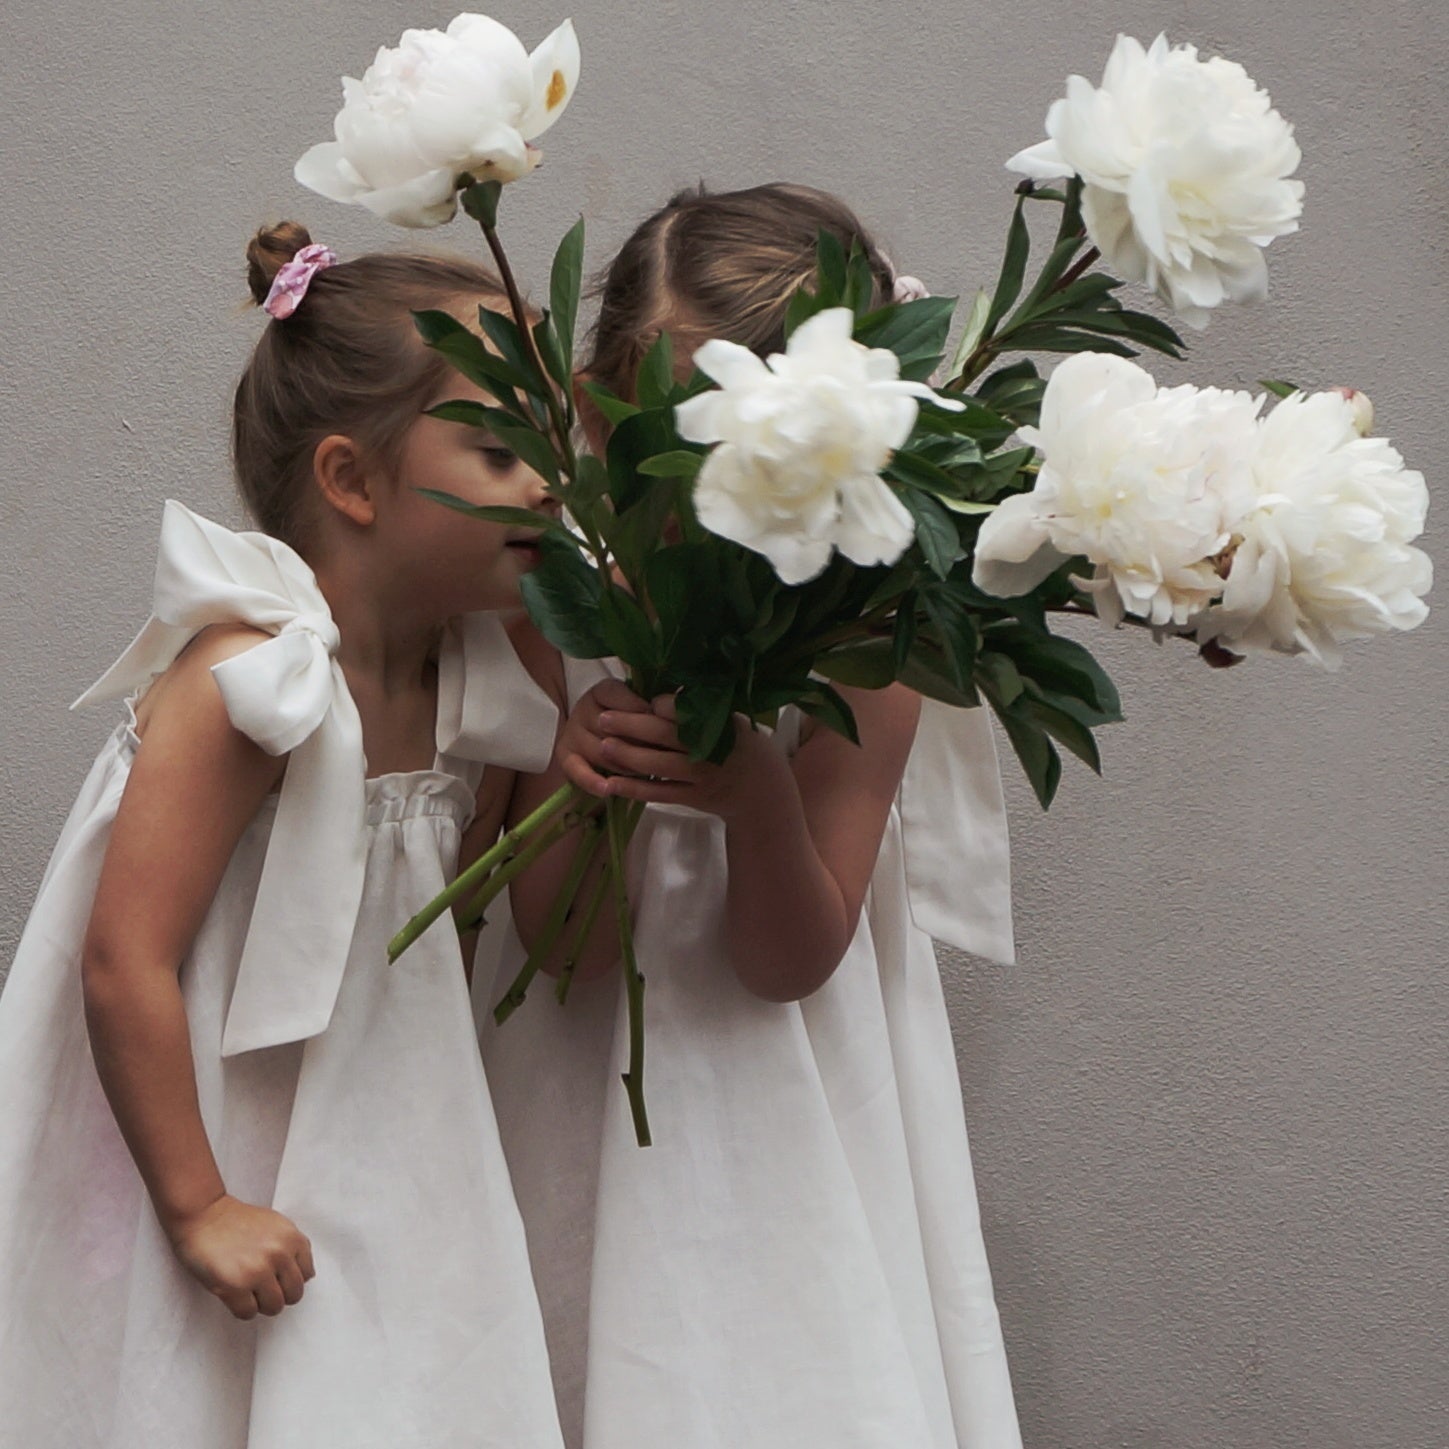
[{"x": 498, "y": 457}]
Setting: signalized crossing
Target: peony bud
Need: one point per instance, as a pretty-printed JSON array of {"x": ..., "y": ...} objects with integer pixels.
[{"x": 1363, "y": 409}]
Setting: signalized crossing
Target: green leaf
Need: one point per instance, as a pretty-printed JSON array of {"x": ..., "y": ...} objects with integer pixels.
[
  {"x": 903, "y": 635},
  {"x": 955, "y": 631},
  {"x": 1066, "y": 731},
  {"x": 975, "y": 331},
  {"x": 614, "y": 409},
  {"x": 679, "y": 463},
  {"x": 865, "y": 665},
  {"x": 935, "y": 532},
  {"x": 1061, "y": 665},
  {"x": 1278, "y": 387},
  {"x": 655, "y": 379},
  {"x": 859, "y": 282},
  {"x": 480, "y": 201},
  {"x": 705, "y": 714},
  {"x": 465, "y": 350},
  {"x": 1094, "y": 287},
  {"x": 1043, "y": 337},
  {"x": 1038, "y": 756},
  {"x": 803, "y": 305},
  {"x": 640, "y": 437},
  {"x": 829, "y": 707},
  {"x": 502, "y": 331},
  {"x": 830, "y": 266},
  {"x": 531, "y": 445},
  {"x": 628, "y": 630},
  {"x": 999, "y": 677},
  {"x": 915, "y": 331},
  {"x": 495, "y": 513},
  {"x": 1013, "y": 267},
  {"x": 565, "y": 284},
  {"x": 562, "y": 595},
  {"x": 929, "y": 671},
  {"x": 558, "y": 366},
  {"x": 1050, "y": 274}
]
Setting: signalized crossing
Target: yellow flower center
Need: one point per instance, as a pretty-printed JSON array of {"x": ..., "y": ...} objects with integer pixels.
[{"x": 558, "y": 88}]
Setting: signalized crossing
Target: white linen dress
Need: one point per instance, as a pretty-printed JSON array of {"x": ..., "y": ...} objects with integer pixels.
[
  {"x": 797, "y": 1261},
  {"x": 344, "y": 1092}
]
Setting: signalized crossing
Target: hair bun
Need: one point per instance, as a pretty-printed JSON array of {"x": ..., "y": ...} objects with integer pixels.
[{"x": 269, "y": 251}]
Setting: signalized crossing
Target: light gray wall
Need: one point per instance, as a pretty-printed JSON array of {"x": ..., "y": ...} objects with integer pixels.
[{"x": 1209, "y": 1104}]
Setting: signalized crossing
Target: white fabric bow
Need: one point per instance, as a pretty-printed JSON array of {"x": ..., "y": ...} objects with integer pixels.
[{"x": 289, "y": 695}]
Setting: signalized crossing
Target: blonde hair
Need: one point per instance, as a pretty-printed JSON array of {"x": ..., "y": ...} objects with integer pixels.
[
  {"x": 347, "y": 361},
  {"x": 719, "y": 265}
]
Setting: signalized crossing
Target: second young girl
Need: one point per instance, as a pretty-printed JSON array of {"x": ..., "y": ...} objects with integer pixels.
[
  {"x": 797, "y": 1260},
  {"x": 251, "y": 1191}
]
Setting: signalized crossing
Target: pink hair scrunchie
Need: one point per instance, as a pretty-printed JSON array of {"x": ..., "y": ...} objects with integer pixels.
[{"x": 293, "y": 278}]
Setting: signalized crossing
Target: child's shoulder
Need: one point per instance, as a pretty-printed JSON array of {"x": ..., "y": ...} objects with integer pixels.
[
  {"x": 188, "y": 683},
  {"x": 182, "y": 718}
]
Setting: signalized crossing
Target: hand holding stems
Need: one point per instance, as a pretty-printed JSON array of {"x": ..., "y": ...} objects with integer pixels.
[
  {"x": 616, "y": 745},
  {"x": 251, "y": 1258}
]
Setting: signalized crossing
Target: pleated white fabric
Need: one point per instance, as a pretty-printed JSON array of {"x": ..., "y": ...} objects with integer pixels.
[
  {"x": 798, "y": 1260},
  {"x": 344, "y": 1092}
]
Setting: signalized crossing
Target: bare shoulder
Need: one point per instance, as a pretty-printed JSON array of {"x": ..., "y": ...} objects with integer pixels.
[
  {"x": 183, "y": 712},
  {"x": 539, "y": 657}
]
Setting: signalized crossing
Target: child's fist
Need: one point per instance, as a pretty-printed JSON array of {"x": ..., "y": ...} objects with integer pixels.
[{"x": 253, "y": 1259}]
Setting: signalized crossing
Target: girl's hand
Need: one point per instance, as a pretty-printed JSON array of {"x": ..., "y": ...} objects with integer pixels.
[
  {"x": 649, "y": 762},
  {"x": 579, "y": 751},
  {"x": 253, "y": 1259}
]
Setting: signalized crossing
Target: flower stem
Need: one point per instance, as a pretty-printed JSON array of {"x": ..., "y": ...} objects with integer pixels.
[
  {"x": 591, "y": 840},
  {"x": 619, "y": 828},
  {"x": 505, "y": 848},
  {"x": 590, "y": 914},
  {"x": 1085, "y": 262},
  {"x": 540, "y": 841},
  {"x": 562, "y": 444}
]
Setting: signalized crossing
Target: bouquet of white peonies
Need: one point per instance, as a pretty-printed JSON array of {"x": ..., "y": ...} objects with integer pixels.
[{"x": 834, "y": 514}]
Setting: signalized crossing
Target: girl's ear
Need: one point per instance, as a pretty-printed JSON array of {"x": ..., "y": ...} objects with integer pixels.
[
  {"x": 343, "y": 479},
  {"x": 591, "y": 420}
]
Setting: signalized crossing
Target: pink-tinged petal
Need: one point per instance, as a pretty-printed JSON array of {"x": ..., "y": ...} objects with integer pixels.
[{"x": 555, "y": 64}]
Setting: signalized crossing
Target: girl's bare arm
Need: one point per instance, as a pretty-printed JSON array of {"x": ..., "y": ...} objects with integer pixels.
[{"x": 194, "y": 786}]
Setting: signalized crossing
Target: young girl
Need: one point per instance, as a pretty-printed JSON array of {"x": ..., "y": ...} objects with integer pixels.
[
  {"x": 330, "y": 1254},
  {"x": 797, "y": 1260}
]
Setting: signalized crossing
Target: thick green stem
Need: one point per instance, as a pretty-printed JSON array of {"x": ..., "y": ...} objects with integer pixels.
[
  {"x": 617, "y": 815},
  {"x": 591, "y": 840},
  {"x": 590, "y": 914},
  {"x": 540, "y": 841},
  {"x": 503, "y": 850}
]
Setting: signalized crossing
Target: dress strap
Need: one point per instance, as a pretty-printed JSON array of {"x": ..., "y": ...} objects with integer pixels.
[
  {"x": 289, "y": 695},
  {"x": 953, "y": 831},
  {"x": 490, "y": 709}
]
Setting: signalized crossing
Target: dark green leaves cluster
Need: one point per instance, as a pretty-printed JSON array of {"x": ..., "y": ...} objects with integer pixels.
[{"x": 699, "y": 616}]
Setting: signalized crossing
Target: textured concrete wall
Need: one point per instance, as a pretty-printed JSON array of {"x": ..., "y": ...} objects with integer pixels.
[{"x": 1209, "y": 1104}]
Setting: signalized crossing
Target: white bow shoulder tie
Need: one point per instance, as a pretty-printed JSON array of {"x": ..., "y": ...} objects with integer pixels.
[{"x": 289, "y": 695}]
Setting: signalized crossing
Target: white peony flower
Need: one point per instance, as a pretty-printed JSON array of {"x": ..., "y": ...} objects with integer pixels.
[
  {"x": 439, "y": 105},
  {"x": 802, "y": 439},
  {"x": 1325, "y": 553},
  {"x": 1145, "y": 482},
  {"x": 1186, "y": 166}
]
